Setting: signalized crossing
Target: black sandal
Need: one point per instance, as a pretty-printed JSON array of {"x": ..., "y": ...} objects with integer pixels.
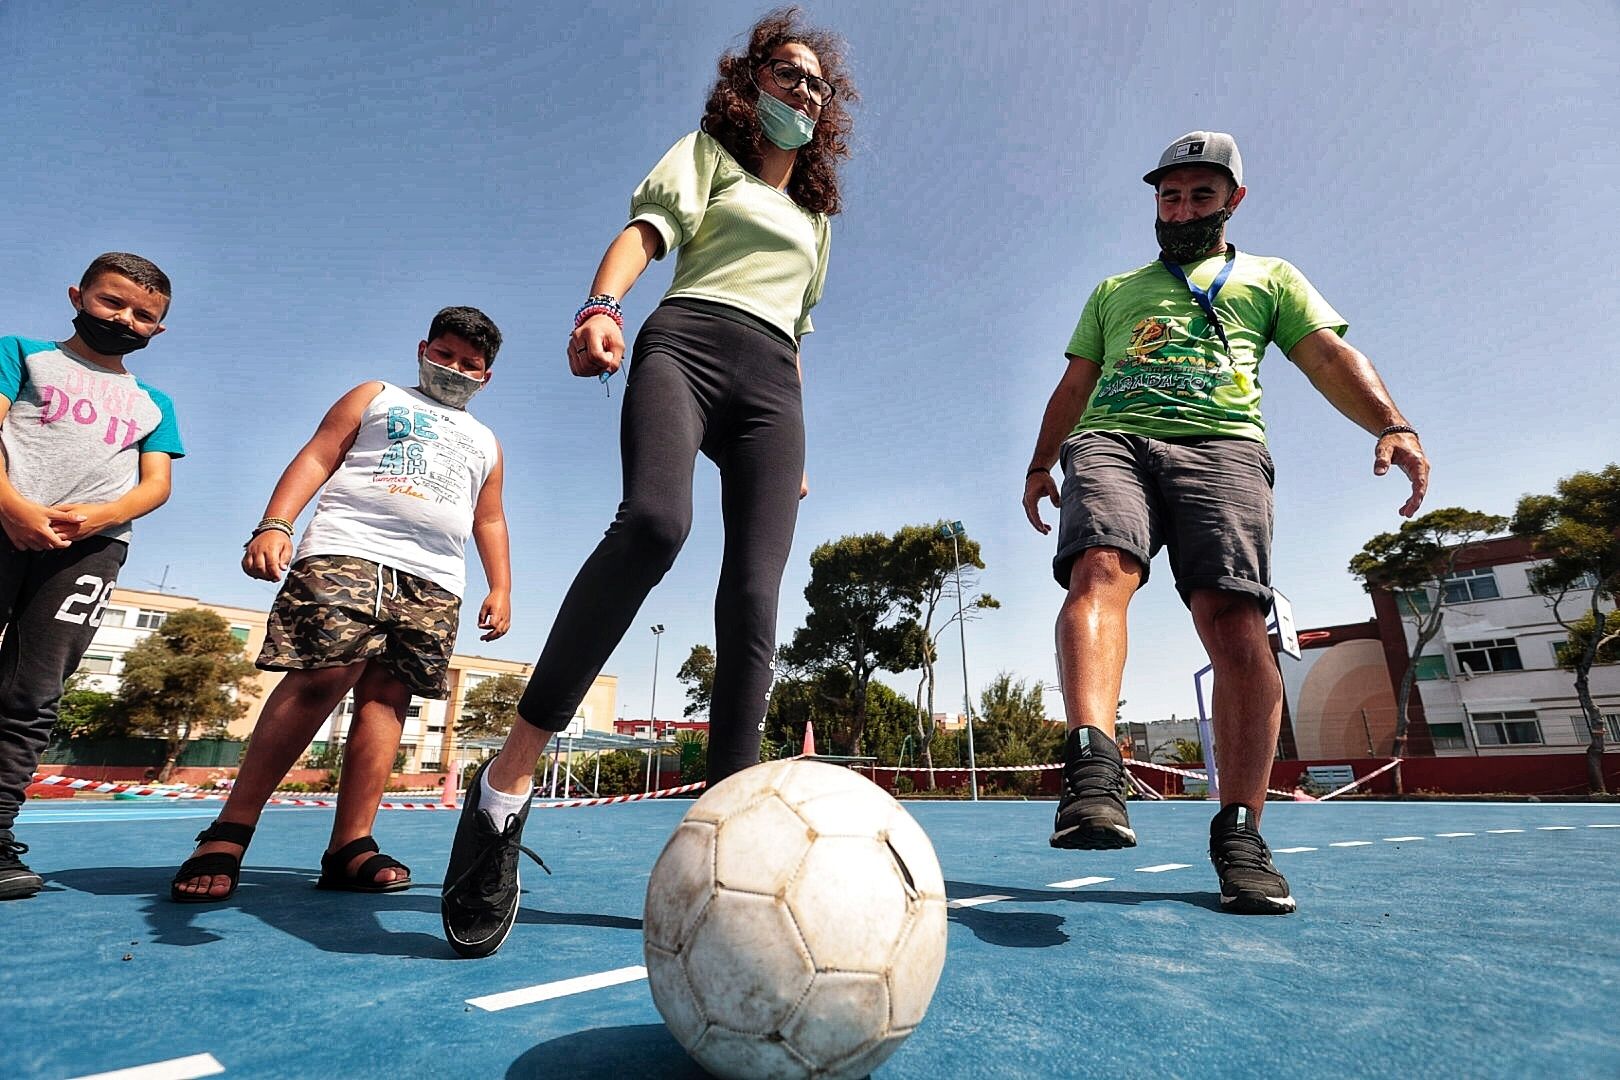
[
  {"x": 335, "y": 875},
  {"x": 213, "y": 864}
]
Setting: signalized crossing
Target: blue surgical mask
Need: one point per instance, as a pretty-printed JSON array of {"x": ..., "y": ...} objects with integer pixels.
[{"x": 784, "y": 125}]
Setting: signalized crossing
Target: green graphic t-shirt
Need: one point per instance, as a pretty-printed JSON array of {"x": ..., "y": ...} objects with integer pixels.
[{"x": 1164, "y": 371}]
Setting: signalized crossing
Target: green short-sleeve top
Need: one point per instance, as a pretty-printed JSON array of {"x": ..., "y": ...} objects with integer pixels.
[
  {"x": 742, "y": 242},
  {"x": 1164, "y": 371}
]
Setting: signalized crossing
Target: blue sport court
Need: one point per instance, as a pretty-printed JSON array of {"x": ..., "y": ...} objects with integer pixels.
[{"x": 1432, "y": 940}]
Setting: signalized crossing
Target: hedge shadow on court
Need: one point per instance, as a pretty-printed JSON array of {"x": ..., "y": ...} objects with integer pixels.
[
  {"x": 285, "y": 899},
  {"x": 610, "y": 1052}
]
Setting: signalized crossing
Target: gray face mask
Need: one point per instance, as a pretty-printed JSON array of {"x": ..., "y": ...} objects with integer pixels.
[{"x": 446, "y": 385}]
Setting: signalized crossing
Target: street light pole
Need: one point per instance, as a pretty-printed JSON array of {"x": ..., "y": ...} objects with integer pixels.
[
  {"x": 652, "y": 708},
  {"x": 953, "y": 530}
]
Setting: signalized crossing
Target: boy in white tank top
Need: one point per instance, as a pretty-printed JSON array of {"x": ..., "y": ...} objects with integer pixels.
[{"x": 372, "y": 597}]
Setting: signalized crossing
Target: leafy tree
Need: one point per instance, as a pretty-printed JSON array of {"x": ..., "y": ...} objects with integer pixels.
[
  {"x": 622, "y": 772},
  {"x": 83, "y": 712},
  {"x": 924, "y": 554},
  {"x": 187, "y": 679},
  {"x": 1578, "y": 532},
  {"x": 698, "y": 675},
  {"x": 1180, "y": 752},
  {"x": 1013, "y": 728},
  {"x": 862, "y": 619},
  {"x": 491, "y": 708},
  {"x": 1414, "y": 563}
]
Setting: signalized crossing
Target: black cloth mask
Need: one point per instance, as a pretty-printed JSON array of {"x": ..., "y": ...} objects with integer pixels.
[
  {"x": 106, "y": 337},
  {"x": 1188, "y": 240}
]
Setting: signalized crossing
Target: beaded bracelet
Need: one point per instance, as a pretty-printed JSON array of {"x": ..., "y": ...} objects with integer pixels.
[
  {"x": 1397, "y": 429},
  {"x": 601, "y": 304}
]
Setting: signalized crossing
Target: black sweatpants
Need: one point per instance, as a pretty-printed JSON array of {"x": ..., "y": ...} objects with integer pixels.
[
  {"x": 50, "y": 605},
  {"x": 702, "y": 378}
]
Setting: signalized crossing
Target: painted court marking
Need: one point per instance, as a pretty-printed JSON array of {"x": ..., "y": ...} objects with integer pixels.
[
  {"x": 1603, "y": 826},
  {"x": 1079, "y": 882},
  {"x": 1400, "y": 839},
  {"x": 1351, "y": 843},
  {"x": 1501, "y": 831},
  {"x": 184, "y": 1068},
  {"x": 1162, "y": 867},
  {"x": 1451, "y": 834},
  {"x": 1554, "y": 828},
  {"x": 975, "y": 901},
  {"x": 1290, "y": 850},
  {"x": 528, "y": 995}
]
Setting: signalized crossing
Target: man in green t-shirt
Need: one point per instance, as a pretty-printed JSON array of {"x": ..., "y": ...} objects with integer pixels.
[{"x": 1169, "y": 451}]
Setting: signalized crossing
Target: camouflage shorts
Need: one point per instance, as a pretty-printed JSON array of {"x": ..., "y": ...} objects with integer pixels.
[{"x": 336, "y": 610}]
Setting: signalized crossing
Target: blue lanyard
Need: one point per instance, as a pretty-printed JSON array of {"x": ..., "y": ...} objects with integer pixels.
[{"x": 1206, "y": 297}]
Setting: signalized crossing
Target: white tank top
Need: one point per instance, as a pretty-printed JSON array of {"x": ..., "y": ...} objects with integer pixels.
[{"x": 404, "y": 495}]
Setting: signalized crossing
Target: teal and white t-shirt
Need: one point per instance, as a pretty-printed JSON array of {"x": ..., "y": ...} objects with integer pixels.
[
  {"x": 742, "y": 242},
  {"x": 76, "y": 431},
  {"x": 1164, "y": 372}
]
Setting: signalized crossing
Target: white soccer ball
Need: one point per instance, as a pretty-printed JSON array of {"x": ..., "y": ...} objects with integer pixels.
[{"x": 795, "y": 924}]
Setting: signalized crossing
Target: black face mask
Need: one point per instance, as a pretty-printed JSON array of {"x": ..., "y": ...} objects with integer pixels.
[
  {"x": 106, "y": 337},
  {"x": 1188, "y": 240}
]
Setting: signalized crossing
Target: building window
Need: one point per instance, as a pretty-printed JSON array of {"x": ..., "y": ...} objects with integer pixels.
[
  {"x": 1431, "y": 667},
  {"x": 149, "y": 619},
  {"x": 434, "y": 729},
  {"x": 1466, "y": 585},
  {"x": 1507, "y": 729},
  {"x": 240, "y": 633},
  {"x": 432, "y": 766},
  {"x": 113, "y": 616},
  {"x": 98, "y": 665},
  {"x": 1448, "y": 736},
  {"x": 1412, "y": 602},
  {"x": 1479, "y": 657},
  {"x": 1611, "y": 727},
  {"x": 415, "y": 711}
]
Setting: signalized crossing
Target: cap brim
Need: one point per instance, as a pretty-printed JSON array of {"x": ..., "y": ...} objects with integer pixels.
[{"x": 1153, "y": 177}]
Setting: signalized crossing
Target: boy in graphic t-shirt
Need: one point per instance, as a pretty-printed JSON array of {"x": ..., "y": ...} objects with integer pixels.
[
  {"x": 373, "y": 595},
  {"x": 87, "y": 449}
]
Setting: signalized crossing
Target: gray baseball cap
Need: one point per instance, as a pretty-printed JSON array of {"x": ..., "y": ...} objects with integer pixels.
[{"x": 1214, "y": 148}]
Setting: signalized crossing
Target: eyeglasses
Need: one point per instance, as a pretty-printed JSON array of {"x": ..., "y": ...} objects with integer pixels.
[{"x": 788, "y": 75}]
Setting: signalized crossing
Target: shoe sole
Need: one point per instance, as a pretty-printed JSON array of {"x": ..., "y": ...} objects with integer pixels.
[
  {"x": 1258, "y": 905},
  {"x": 1084, "y": 837},
  {"x": 471, "y": 950},
  {"x": 21, "y": 887}
]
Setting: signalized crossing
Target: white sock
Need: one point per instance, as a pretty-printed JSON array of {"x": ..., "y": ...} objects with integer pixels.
[{"x": 498, "y": 804}]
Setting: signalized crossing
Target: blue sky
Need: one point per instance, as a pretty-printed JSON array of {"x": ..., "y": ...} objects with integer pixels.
[{"x": 319, "y": 178}]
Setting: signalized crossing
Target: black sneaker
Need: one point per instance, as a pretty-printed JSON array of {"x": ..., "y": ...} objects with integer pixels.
[
  {"x": 1091, "y": 809},
  {"x": 17, "y": 882},
  {"x": 481, "y": 886},
  {"x": 1250, "y": 884}
]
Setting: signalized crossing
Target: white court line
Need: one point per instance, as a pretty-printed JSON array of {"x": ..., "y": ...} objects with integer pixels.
[
  {"x": 1554, "y": 828},
  {"x": 1351, "y": 843},
  {"x": 1290, "y": 850},
  {"x": 1079, "y": 882},
  {"x": 975, "y": 901},
  {"x": 1450, "y": 834},
  {"x": 1603, "y": 826},
  {"x": 528, "y": 995},
  {"x": 185, "y": 1068},
  {"x": 1162, "y": 867},
  {"x": 1500, "y": 831},
  {"x": 1400, "y": 839}
]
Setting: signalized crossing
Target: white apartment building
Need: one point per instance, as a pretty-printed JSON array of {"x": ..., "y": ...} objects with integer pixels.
[{"x": 428, "y": 738}]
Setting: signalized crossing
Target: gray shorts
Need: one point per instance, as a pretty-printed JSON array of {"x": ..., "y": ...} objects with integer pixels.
[{"x": 1207, "y": 499}]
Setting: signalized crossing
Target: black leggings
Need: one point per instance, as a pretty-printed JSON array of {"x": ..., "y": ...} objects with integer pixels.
[{"x": 701, "y": 378}]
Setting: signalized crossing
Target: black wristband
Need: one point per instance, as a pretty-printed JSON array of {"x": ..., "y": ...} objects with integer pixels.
[
  {"x": 1033, "y": 469},
  {"x": 1397, "y": 429}
]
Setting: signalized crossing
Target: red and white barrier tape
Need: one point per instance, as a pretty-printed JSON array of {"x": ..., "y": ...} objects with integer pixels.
[
  {"x": 1362, "y": 780},
  {"x": 612, "y": 799}
]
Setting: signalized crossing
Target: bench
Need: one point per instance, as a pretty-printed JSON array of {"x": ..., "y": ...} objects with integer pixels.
[{"x": 1329, "y": 777}]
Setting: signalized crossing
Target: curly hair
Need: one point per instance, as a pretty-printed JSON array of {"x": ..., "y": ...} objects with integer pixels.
[{"x": 730, "y": 118}]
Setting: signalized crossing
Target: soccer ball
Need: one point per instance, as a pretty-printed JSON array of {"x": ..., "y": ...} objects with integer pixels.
[{"x": 795, "y": 924}]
